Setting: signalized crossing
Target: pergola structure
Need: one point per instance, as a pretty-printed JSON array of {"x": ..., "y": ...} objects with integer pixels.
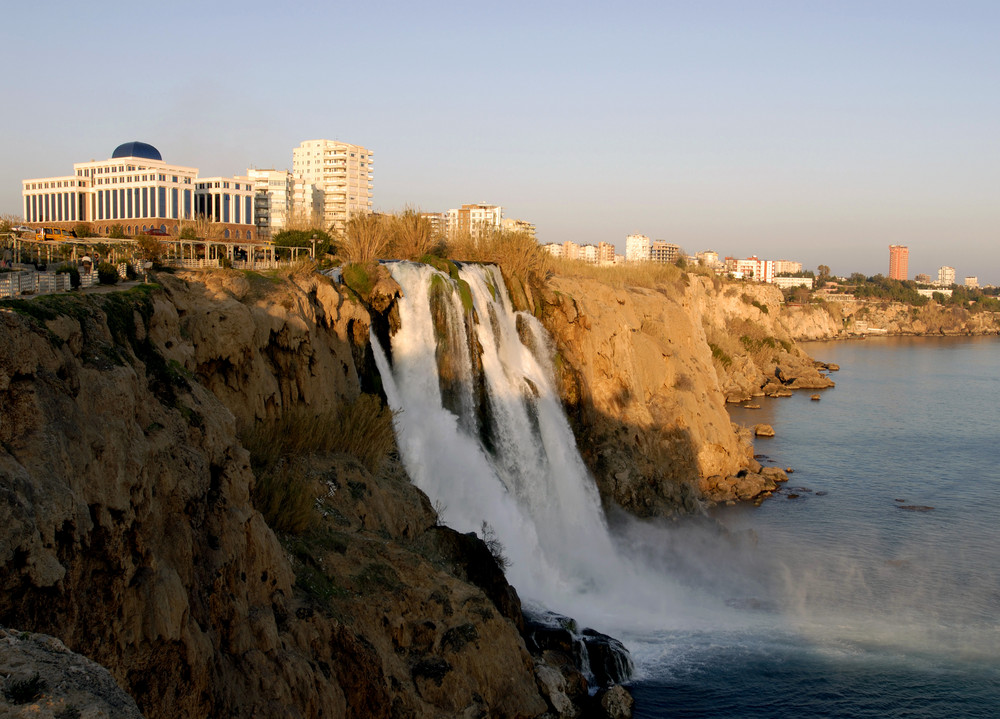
[{"x": 184, "y": 252}]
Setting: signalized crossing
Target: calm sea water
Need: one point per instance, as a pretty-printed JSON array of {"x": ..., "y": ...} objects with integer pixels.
[{"x": 876, "y": 591}]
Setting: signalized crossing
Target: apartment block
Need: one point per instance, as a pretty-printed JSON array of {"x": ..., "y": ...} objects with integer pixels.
[
  {"x": 664, "y": 252},
  {"x": 522, "y": 226},
  {"x": 474, "y": 220},
  {"x": 605, "y": 253},
  {"x": 946, "y": 276},
  {"x": 274, "y": 193},
  {"x": 787, "y": 267},
  {"x": 343, "y": 174},
  {"x": 637, "y": 248},
  {"x": 899, "y": 260}
]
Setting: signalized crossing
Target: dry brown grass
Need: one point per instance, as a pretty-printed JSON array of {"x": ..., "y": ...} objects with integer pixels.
[
  {"x": 362, "y": 428},
  {"x": 633, "y": 274},
  {"x": 517, "y": 253},
  {"x": 366, "y": 239},
  {"x": 412, "y": 236}
]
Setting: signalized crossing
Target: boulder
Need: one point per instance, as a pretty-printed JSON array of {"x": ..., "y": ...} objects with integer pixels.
[
  {"x": 610, "y": 661},
  {"x": 763, "y": 430},
  {"x": 616, "y": 702}
]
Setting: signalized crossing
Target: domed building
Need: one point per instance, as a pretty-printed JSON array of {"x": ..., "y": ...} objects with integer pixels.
[{"x": 137, "y": 190}]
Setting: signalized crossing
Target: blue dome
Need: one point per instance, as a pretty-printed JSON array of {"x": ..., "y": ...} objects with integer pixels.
[{"x": 137, "y": 149}]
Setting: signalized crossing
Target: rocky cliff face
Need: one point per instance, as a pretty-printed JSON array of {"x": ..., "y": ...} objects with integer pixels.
[
  {"x": 830, "y": 320},
  {"x": 645, "y": 375},
  {"x": 129, "y": 533}
]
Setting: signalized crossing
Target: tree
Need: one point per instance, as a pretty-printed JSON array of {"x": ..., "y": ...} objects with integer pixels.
[
  {"x": 83, "y": 229},
  {"x": 9, "y": 222},
  {"x": 116, "y": 232},
  {"x": 304, "y": 238},
  {"x": 150, "y": 248},
  {"x": 823, "y": 271}
]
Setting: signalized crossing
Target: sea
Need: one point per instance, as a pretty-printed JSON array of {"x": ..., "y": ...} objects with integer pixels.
[{"x": 869, "y": 584}]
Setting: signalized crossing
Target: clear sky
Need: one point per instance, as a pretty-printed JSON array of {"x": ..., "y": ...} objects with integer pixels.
[{"x": 816, "y": 130}]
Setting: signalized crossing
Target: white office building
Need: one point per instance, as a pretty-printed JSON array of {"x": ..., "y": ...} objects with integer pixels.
[{"x": 137, "y": 190}]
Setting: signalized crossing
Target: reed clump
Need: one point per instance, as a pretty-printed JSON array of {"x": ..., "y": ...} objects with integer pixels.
[
  {"x": 365, "y": 239},
  {"x": 517, "y": 253},
  {"x": 362, "y": 429},
  {"x": 411, "y": 236}
]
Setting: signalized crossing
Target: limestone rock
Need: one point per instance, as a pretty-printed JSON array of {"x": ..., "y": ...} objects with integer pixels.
[
  {"x": 616, "y": 702},
  {"x": 763, "y": 430},
  {"x": 67, "y": 683}
]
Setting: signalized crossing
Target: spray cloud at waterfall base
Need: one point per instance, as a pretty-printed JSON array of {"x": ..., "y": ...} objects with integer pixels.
[{"x": 481, "y": 430}]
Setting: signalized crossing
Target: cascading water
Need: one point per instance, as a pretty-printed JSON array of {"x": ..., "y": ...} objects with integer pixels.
[
  {"x": 529, "y": 484},
  {"x": 482, "y": 432}
]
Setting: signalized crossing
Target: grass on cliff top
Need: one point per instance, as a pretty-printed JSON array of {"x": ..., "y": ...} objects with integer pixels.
[
  {"x": 363, "y": 429},
  {"x": 651, "y": 275},
  {"x": 518, "y": 253}
]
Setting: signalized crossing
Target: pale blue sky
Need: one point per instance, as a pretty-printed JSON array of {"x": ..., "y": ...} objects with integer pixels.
[{"x": 803, "y": 129}]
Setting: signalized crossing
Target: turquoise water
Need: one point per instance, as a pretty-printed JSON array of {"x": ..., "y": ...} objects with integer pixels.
[{"x": 876, "y": 591}]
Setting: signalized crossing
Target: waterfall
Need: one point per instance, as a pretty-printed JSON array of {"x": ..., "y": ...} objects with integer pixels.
[{"x": 482, "y": 431}]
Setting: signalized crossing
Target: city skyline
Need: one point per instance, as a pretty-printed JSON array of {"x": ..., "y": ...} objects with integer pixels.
[{"x": 777, "y": 129}]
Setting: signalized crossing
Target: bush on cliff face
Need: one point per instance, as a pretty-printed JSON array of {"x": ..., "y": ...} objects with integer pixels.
[{"x": 362, "y": 429}]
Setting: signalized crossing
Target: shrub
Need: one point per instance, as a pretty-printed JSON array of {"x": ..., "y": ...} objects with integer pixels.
[
  {"x": 150, "y": 248},
  {"x": 304, "y": 238},
  {"x": 73, "y": 272},
  {"x": 116, "y": 232},
  {"x": 82, "y": 229},
  {"x": 22, "y": 691},
  {"x": 285, "y": 499},
  {"x": 107, "y": 273},
  {"x": 363, "y": 429},
  {"x": 493, "y": 543}
]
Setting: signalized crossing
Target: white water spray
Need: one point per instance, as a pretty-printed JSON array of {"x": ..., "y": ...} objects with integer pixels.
[{"x": 531, "y": 485}]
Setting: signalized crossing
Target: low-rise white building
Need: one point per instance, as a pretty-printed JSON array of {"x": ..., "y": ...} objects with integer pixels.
[{"x": 137, "y": 190}]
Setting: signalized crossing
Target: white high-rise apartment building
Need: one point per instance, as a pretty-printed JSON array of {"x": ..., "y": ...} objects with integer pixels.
[
  {"x": 344, "y": 173},
  {"x": 272, "y": 201},
  {"x": 637, "y": 248},
  {"x": 946, "y": 276}
]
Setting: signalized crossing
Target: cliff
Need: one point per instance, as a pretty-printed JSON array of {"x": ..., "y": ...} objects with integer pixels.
[
  {"x": 129, "y": 531},
  {"x": 645, "y": 373},
  {"x": 831, "y": 320},
  {"x": 132, "y": 508}
]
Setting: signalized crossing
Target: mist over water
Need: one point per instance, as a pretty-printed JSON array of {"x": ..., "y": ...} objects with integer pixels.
[{"x": 841, "y": 581}]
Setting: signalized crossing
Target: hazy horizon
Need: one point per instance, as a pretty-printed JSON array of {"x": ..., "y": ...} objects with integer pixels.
[{"x": 821, "y": 133}]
